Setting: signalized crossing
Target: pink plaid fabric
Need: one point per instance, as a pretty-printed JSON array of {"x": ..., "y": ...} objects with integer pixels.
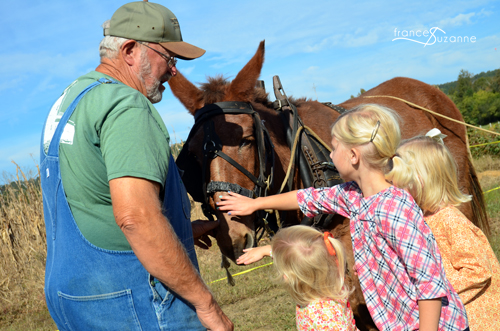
[{"x": 396, "y": 255}]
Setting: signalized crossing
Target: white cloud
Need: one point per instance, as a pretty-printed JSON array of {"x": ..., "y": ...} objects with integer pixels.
[
  {"x": 358, "y": 41},
  {"x": 458, "y": 20},
  {"x": 311, "y": 69},
  {"x": 44, "y": 62},
  {"x": 187, "y": 70},
  {"x": 485, "y": 12}
]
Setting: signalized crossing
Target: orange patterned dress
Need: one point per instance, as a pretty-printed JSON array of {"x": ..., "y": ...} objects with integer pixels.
[
  {"x": 328, "y": 315},
  {"x": 470, "y": 265}
]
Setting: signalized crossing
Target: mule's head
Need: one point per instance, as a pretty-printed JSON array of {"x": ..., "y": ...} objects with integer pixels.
[{"x": 235, "y": 133}]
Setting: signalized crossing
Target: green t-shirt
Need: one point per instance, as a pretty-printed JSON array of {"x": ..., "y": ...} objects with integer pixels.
[{"x": 114, "y": 132}]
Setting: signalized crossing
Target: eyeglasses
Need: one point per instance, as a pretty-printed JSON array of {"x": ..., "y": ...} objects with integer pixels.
[{"x": 171, "y": 61}]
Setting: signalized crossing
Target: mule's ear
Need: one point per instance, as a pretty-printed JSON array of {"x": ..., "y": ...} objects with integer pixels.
[
  {"x": 188, "y": 94},
  {"x": 242, "y": 87}
]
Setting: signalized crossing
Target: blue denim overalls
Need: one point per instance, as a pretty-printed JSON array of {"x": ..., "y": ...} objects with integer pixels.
[{"x": 90, "y": 288}]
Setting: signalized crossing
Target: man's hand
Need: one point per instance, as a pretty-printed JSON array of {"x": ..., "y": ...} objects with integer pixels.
[
  {"x": 201, "y": 230},
  {"x": 213, "y": 318}
]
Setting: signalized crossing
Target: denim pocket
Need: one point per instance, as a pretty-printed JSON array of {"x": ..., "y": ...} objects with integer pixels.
[
  {"x": 173, "y": 312},
  {"x": 112, "y": 311}
]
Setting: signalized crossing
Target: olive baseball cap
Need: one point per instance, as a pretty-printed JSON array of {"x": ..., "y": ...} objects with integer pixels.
[{"x": 151, "y": 22}]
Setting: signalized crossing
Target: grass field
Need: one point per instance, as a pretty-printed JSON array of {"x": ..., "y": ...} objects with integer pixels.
[{"x": 255, "y": 303}]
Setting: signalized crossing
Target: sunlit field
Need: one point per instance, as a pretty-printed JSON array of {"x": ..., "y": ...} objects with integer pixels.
[{"x": 255, "y": 303}]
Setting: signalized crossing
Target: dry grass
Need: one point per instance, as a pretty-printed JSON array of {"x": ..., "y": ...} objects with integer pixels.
[
  {"x": 22, "y": 245},
  {"x": 255, "y": 303},
  {"x": 487, "y": 163},
  {"x": 490, "y": 183}
]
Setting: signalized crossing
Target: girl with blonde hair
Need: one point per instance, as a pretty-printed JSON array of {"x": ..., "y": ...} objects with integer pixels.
[
  {"x": 396, "y": 256},
  {"x": 311, "y": 265},
  {"x": 469, "y": 261}
]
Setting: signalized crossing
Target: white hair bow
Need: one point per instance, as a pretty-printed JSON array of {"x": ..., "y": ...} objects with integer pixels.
[{"x": 436, "y": 135}]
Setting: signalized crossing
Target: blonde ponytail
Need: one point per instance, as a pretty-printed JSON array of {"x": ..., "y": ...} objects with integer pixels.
[
  {"x": 372, "y": 128},
  {"x": 434, "y": 179}
]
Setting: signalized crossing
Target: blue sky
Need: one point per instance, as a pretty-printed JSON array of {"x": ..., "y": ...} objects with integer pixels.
[{"x": 325, "y": 50}]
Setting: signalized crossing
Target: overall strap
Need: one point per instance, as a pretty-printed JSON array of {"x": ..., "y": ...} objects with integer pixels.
[{"x": 56, "y": 138}]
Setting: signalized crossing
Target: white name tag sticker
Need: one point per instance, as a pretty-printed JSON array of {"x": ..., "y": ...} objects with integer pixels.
[{"x": 68, "y": 133}]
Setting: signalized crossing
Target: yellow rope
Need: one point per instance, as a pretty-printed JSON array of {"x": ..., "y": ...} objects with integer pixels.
[
  {"x": 495, "y": 142},
  {"x": 292, "y": 156},
  {"x": 432, "y": 112},
  {"x": 241, "y": 273},
  {"x": 491, "y": 190}
]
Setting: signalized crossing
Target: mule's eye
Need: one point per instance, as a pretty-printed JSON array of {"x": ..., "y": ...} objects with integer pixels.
[{"x": 245, "y": 142}]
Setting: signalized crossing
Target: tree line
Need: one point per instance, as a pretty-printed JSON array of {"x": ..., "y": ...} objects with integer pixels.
[{"x": 476, "y": 96}]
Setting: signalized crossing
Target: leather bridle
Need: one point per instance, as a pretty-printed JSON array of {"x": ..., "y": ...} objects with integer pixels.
[{"x": 212, "y": 148}]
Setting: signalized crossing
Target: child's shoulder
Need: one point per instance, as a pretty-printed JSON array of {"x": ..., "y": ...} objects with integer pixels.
[
  {"x": 348, "y": 189},
  {"x": 449, "y": 215},
  {"x": 395, "y": 203},
  {"x": 396, "y": 195}
]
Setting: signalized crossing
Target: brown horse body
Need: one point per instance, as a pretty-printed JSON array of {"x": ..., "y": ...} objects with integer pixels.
[{"x": 238, "y": 140}]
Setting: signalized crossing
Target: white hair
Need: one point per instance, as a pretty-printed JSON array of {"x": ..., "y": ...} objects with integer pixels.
[{"x": 109, "y": 46}]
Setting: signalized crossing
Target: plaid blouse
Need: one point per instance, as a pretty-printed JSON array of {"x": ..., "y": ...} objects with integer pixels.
[{"x": 396, "y": 256}]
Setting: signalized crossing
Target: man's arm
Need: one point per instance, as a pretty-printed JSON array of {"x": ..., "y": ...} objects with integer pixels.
[{"x": 137, "y": 212}]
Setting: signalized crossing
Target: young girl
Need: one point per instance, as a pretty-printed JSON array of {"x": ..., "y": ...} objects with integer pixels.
[
  {"x": 396, "y": 256},
  {"x": 469, "y": 261},
  {"x": 311, "y": 265}
]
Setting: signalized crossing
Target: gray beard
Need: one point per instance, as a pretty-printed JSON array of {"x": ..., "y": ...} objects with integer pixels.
[{"x": 153, "y": 91}]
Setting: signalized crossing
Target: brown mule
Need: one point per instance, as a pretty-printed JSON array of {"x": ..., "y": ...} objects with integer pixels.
[{"x": 237, "y": 136}]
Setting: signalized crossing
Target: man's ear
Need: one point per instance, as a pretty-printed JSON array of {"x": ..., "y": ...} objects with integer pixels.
[{"x": 130, "y": 52}]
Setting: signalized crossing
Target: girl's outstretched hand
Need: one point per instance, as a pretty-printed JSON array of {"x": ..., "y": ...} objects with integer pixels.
[
  {"x": 254, "y": 254},
  {"x": 236, "y": 204}
]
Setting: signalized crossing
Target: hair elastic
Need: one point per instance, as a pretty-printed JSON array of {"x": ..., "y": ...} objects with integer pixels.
[
  {"x": 328, "y": 243},
  {"x": 436, "y": 135},
  {"x": 375, "y": 131}
]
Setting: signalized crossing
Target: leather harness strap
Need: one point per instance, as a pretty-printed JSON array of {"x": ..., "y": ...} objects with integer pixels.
[{"x": 315, "y": 166}]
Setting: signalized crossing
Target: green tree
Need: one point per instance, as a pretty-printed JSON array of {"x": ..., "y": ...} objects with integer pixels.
[
  {"x": 482, "y": 83},
  {"x": 464, "y": 85},
  {"x": 495, "y": 82},
  {"x": 361, "y": 91},
  {"x": 481, "y": 108}
]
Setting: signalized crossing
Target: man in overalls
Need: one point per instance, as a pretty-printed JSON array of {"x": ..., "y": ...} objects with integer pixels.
[{"x": 120, "y": 252}]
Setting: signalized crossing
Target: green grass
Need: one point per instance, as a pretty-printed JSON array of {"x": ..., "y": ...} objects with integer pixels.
[
  {"x": 256, "y": 302},
  {"x": 493, "y": 206}
]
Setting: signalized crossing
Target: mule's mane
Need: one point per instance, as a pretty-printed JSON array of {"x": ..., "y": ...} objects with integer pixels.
[{"x": 214, "y": 90}]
